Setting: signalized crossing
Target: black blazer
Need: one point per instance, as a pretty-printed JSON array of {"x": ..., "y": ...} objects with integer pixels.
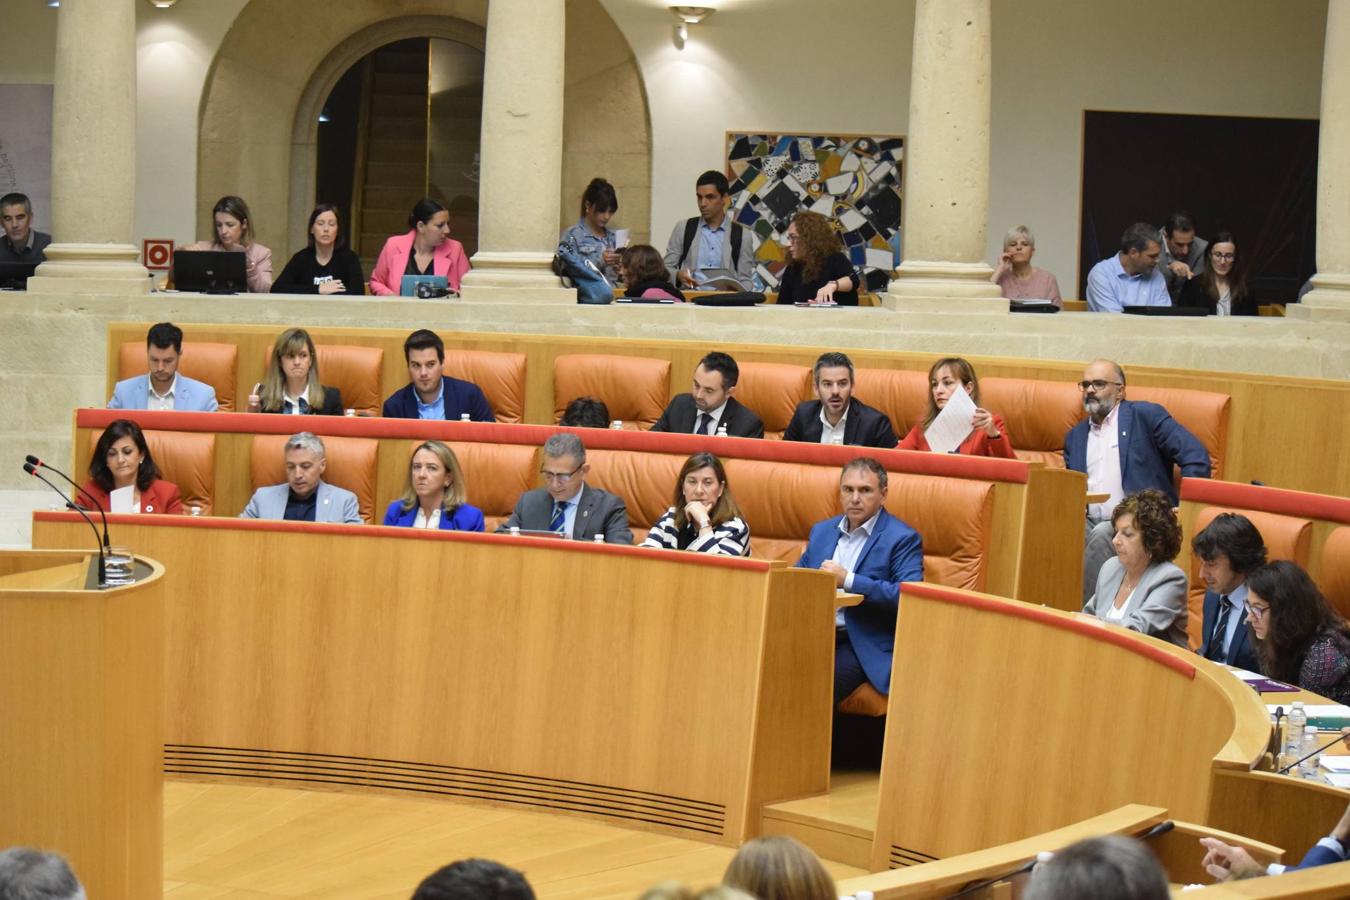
[
  {"x": 679, "y": 417},
  {"x": 1192, "y": 294},
  {"x": 1242, "y": 652},
  {"x": 332, "y": 404},
  {"x": 865, "y": 427}
]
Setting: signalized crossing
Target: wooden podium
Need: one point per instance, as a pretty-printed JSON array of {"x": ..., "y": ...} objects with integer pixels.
[{"x": 82, "y": 718}]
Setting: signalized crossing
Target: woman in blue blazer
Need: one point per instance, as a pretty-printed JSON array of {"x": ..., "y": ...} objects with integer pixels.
[{"x": 435, "y": 494}]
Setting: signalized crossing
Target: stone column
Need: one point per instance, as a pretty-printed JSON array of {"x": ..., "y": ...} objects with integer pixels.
[
  {"x": 93, "y": 153},
  {"x": 1330, "y": 297},
  {"x": 521, "y": 153},
  {"x": 947, "y": 153}
]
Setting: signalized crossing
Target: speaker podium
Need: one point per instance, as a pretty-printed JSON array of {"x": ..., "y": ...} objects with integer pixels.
[{"x": 82, "y": 718}]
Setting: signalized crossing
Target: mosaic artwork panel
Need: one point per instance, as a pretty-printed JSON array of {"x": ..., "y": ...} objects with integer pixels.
[{"x": 854, "y": 180}]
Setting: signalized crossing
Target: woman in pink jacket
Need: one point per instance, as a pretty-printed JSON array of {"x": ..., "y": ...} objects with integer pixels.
[{"x": 427, "y": 249}]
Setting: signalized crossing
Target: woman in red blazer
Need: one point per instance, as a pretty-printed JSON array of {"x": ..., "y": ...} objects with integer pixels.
[
  {"x": 121, "y": 459},
  {"x": 427, "y": 249},
  {"x": 988, "y": 437}
]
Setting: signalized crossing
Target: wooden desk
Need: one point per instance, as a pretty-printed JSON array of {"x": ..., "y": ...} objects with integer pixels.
[{"x": 653, "y": 689}]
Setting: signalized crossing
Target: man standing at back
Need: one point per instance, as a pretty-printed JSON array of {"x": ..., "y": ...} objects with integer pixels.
[
  {"x": 1130, "y": 277},
  {"x": 431, "y": 394},
  {"x": 163, "y": 387},
  {"x": 710, "y": 240},
  {"x": 1183, "y": 254},
  {"x": 1228, "y": 548},
  {"x": 709, "y": 408},
  {"x": 566, "y": 504},
  {"x": 835, "y": 417},
  {"x": 1123, "y": 446}
]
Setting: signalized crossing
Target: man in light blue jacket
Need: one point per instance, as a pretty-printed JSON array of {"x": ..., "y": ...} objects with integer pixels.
[
  {"x": 163, "y": 387},
  {"x": 304, "y": 496}
]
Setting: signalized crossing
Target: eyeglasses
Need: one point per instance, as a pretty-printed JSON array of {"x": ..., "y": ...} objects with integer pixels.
[
  {"x": 1226, "y": 257},
  {"x": 560, "y": 477},
  {"x": 791, "y": 238},
  {"x": 1257, "y": 612},
  {"x": 1096, "y": 384}
]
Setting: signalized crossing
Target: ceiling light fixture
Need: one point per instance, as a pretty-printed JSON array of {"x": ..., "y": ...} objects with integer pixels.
[
  {"x": 162, "y": 4},
  {"x": 686, "y": 16}
]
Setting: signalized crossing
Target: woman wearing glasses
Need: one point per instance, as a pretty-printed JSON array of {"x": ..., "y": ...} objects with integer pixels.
[
  {"x": 434, "y": 496},
  {"x": 1222, "y": 286},
  {"x": 818, "y": 272},
  {"x": 1303, "y": 641},
  {"x": 704, "y": 517}
]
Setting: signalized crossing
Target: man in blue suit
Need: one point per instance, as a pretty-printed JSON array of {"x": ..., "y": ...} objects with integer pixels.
[
  {"x": 1228, "y": 548},
  {"x": 1229, "y": 863},
  {"x": 869, "y": 552},
  {"x": 431, "y": 394},
  {"x": 163, "y": 387},
  {"x": 1123, "y": 446}
]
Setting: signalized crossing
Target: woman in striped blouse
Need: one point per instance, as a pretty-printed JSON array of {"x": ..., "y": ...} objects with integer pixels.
[{"x": 705, "y": 517}]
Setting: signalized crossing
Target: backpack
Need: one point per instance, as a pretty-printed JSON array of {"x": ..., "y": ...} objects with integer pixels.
[
  {"x": 691, "y": 229},
  {"x": 590, "y": 282}
]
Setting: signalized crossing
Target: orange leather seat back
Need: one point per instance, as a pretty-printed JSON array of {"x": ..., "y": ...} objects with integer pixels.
[
  {"x": 781, "y": 502},
  {"x": 1038, "y": 414},
  {"x": 635, "y": 389},
  {"x": 773, "y": 391},
  {"x": 495, "y": 475},
  {"x": 1202, "y": 413},
  {"x": 899, "y": 393},
  {"x": 352, "y": 464},
  {"x": 355, "y": 371},
  {"x": 1333, "y": 575},
  {"x": 645, "y": 481},
  {"x": 954, "y": 518},
  {"x": 184, "y": 458},
  {"x": 500, "y": 375},
  {"x": 206, "y": 361}
]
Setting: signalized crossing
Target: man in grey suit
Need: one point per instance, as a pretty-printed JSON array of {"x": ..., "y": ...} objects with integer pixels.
[
  {"x": 566, "y": 503},
  {"x": 305, "y": 497},
  {"x": 710, "y": 240},
  {"x": 163, "y": 387}
]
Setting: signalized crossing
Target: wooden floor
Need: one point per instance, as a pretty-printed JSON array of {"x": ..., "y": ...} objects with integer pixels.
[{"x": 256, "y": 843}]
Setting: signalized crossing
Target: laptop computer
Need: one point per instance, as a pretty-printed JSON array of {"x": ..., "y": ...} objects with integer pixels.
[
  {"x": 210, "y": 271},
  {"x": 14, "y": 276},
  {"x": 436, "y": 286}
]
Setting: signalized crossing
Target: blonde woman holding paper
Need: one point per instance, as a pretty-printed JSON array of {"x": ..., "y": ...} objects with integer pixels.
[{"x": 987, "y": 435}]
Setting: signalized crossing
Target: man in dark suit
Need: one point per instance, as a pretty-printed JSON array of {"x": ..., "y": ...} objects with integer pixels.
[
  {"x": 869, "y": 552},
  {"x": 1227, "y": 862},
  {"x": 566, "y": 503},
  {"x": 431, "y": 394},
  {"x": 835, "y": 417},
  {"x": 710, "y": 408},
  {"x": 1228, "y": 548},
  {"x": 1123, "y": 446}
]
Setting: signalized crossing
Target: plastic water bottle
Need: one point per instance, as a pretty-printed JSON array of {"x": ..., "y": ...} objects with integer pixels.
[
  {"x": 599, "y": 538},
  {"x": 722, "y": 432},
  {"x": 196, "y": 510},
  {"x": 1294, "y": 724},
  {"x": 1308, "y": 768},
  {"x": 515, "y": 531},
  {"x": 464, "y": 417},
  {"x": 616, "y": 425}
]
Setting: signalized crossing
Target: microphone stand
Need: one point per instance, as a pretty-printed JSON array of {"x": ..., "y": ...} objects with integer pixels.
[
  {"x": 37, "y": 463},
  {"x": 102, "y": 560}
]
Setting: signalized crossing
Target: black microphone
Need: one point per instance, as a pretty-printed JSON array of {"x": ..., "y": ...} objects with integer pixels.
[
  {"x": 31, "y": 469},
  {"x": 1160, "y": 828},
  {"x": 990, "y": 882},
  {"x": 37, "y": 463}
]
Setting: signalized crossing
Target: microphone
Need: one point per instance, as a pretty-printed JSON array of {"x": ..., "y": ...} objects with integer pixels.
[
  {"x": 990, "y": 882},
  {"x": 39, "y": 464},
  {"x": 1156, "y": 830},
  {"x": 31, "y": 469}
]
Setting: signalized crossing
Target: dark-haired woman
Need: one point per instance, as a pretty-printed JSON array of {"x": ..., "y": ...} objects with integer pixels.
[
  {"x": 122, "y": 459},
  {"x": 233, "y": 225},
  {"x": 1139, "y": 587},
  {"x": 988, "y": 436},
  {"x": 818, "y": 272},
  {"x": 1303, "y": 640},
  {"x": 426, "y": 249},
  {"x": 704, "y": 517},
  {"x": 327, "y": 265},
  {"x": 591, "y": 236},
  {"x": 645, "y": 274},
  {"x": 1222, "y": 286}
]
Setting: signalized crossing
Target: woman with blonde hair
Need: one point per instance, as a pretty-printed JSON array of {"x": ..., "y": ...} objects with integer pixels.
[
  {"x": 291, "y": 383},
  {"x": 233, "y": 226},
  {"x": 704, "y": 517},
  {"x": 1016, "y": 276},
  {"x": 818, "y": 272},
  {"x": 779, "y": 868},
  {"x": 434, "y": 496},
  {"x": 987, "y": 437}
]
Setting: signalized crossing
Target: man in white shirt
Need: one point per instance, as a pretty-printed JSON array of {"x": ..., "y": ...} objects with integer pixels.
[
  {"x": 163, "y": 387},
  {"x": 710, "y": 407},
  {"x": 836, "y": 416}
]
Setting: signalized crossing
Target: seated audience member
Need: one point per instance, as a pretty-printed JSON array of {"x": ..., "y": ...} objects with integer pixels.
[
  {"x": 673, "y": 890},
  {"x": 21, "y": 243},
  {"x": 327, "y": 265},
  {"x": 586, "y": 412},
  {"x": 27, "y": 874},
  {"x": 710, "y": 407},
  {"x": 290, "y": 385},
  {"x": 474, "y": 879},
  {"x": 779, "y": 867},
  {"x": 988, "y": 435},
  {"x": 566, "y": 504},
  {"x": 835, "y": 417},
  {"x": 1123, "y": 446},
  {"x": 431, "y": 394},
  {"x": 1183, "y": 255},
  {"x": 1221, "y": 287},
  {"x": 644, "y": 274},
  {"x": 163, "y": 387},
  {"x": 426, "y": 249},
  {"x": 234, "y": 232},
  {"x": 704, "y": 517},
  {"x": 591, "y": 237},
  {"x": 1139, "y": 587},
  {"x": 1228, "y": 549},
  {"x": 1102, "y": 868},
  {"x": 305, "y": 496},
  {"x": 1130, "y": 277},
  {"x": 1227, "y": 862},
  {"x": 710, "y": 240},
  {"x": 869, "y": 552},
  {"x": 122, "y": 459},
  {"x": 1303, "y": 641},
  {"x": 434, "y": 497},
  {"x": 1016, "y": 277},
  {"x": 817, "y": 269}
]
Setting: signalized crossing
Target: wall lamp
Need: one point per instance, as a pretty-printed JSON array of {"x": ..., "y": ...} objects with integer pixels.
[
  {"x": 686, "y": 16},
  {"x": 162, "y": 4}
]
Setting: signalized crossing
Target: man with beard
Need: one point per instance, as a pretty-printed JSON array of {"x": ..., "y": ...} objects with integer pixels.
[
  {"x": 836, "y": 417},
  {"x": 1124, "y": 446},
  {"x": 709, "y": 408}
]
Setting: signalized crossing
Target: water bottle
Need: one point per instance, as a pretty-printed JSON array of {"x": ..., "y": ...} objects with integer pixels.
[
  {"x": 1294, "y": 724},
  {"x": 1308, "y": 768},
  {"x": 722, "y": 432},
  {"x": 196, "y": 510},
  {"x": 616, "y": 425},
  {"x": 464, "y": 417},
  {"x": 515, "y": 531},
  {"x": 599, "y": 539}
]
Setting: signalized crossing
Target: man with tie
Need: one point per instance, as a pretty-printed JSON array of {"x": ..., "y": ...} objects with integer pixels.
[
  {"x": 710, "y": 407},
  {"x": 869, "y": 552},
  {"x": 566, "y": 504},
  {"x": 1228, "y": 548}
]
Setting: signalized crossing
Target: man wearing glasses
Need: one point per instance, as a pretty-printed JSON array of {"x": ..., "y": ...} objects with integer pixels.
[
  {"x": 566, "y": 504},
  {"x": 1124, "y": 446}
]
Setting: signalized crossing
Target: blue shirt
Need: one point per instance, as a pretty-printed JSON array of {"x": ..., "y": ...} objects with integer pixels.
[
  {"x": 433, "y": 410},
  {"x": 1110, "y": 289},
  {"x": 710, "y": 242},
  {"x": 847, "y": 551},
  {"x": 584, "y": 241},
  {"x": 1235, "y": 618}
]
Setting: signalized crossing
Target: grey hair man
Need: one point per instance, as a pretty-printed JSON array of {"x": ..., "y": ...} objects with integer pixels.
[
  {"x": 1102, "y": 868},
  {"x": 304, "y": 496},
  {"x": 566, "y": 504},
  {"x": 27, "y": 874}
]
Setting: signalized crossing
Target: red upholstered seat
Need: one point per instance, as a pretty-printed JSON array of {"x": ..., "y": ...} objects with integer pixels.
[
  {"x": 773, "y": 391},
  {"x": 352, "y": 464},
  {"x": 1333, "y": 573},
  {"x": 635, "y": 389},
  {"x": 500, "y": 375},
  {"x": 899, "y": 393},
  {"x": 184, "y": 458}
]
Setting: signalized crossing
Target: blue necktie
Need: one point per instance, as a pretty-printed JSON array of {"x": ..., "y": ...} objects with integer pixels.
[
  {"x": 704, "y": 420},
  {"x": 1218, "y": 649},
  {"x": 559, "y": 517}
]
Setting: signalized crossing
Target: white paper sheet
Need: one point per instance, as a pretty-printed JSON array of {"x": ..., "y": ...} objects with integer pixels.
[
  {"x": 952, "y": 425},
  {"x": 620, "y": 238},
  {"x": 1319, "y": 711},
  {"x": 123, "y": 500},
  {"x": 1339, "y": 779},
  {"x": 1336, "y": 763}
]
